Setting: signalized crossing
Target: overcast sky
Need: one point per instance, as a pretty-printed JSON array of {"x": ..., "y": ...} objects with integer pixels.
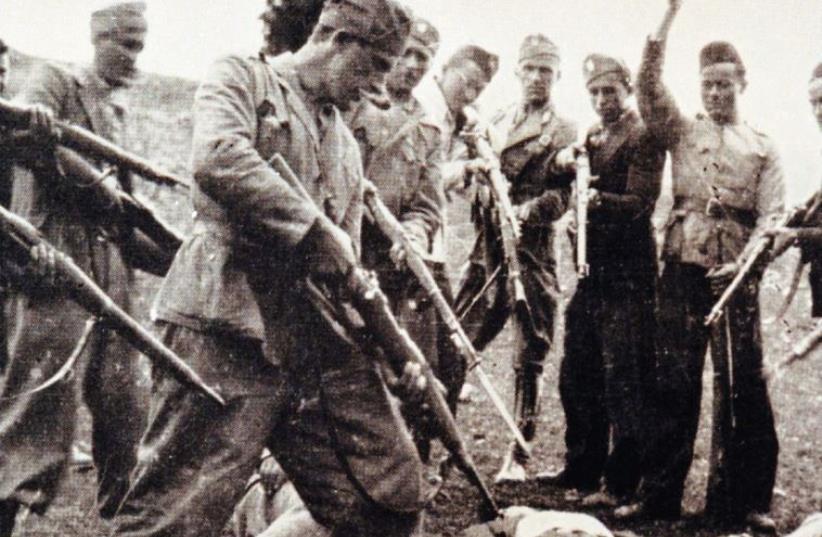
[{"x": 779, "y": 40}]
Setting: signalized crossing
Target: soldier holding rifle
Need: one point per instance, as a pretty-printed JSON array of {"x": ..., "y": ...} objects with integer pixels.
[
  {"x": 728, "y": 188},
  {"x": 293, "y": 383},
  {"x": 527, "y": 137},
  {"x": 36, "y": 429},
  {"x": 609, "y": 325}
]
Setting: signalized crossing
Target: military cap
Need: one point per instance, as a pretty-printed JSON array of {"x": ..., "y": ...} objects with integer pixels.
[
  {"x": 424, "y": 35},
  {"x": 537, "y": 47},
  {"x": 597, "y": 65},
  {"x": 720, "y": 52},
  {"x": 487, "y": 62},
  {"x": 118, "y": 17},
  {"x": 382, "y": 23}
]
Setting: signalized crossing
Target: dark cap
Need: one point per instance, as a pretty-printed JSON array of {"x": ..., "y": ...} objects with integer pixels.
[
  {"x": 720, "y": 52},
  {"x": 817, "y": 73},
  {"x": 424, "y": 35},
  {"x": 537, "y": 47},
  {"x": 597, "y": 65},
  {"x": 122, "y": 18},
  {"x": 487, "y": 62},
  {"x": 382, "y": 23}
]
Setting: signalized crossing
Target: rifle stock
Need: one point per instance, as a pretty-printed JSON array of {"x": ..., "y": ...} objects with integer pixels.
[
  {"x": 399, "y": 349},
  {"x": 392, "y": 229},
  {"x": 20, "y": 237},
  {"x": 92, "y": 145}
]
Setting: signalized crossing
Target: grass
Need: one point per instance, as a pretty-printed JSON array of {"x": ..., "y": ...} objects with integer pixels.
[{"x": 161, "y": 130}]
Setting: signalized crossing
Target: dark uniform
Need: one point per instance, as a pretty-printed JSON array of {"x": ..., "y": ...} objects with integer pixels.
[
  {"x": 235, "y": 310},
  {"x": 37, "y": 429},
  {"x": 527, "y": 144},
  {"x": 728, "y": 187},
  {"x": 609, "y": 345}
]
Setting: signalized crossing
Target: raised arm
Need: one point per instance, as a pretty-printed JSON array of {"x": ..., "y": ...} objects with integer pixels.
[{"x": 656, "y": 105}]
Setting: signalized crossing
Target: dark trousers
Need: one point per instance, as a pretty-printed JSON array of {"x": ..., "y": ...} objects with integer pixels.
[
  {"x": 37, "y": 428},
  {"x": 685, "y": 298},
  {"x": 333, "y": 429},
  {"x": 608, "y": 359}
]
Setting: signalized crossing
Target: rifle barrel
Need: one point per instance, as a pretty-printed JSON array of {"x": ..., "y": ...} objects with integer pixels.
[{"x": 92, "y": 145}]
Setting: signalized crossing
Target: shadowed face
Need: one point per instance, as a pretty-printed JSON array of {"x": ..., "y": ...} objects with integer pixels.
[
  {"x": 815, "y": 95},
  {"x": 4, "y": 71},
  {"x": 461, "y": 85},
  {"x": 608, "y": 95},
  {"x": 116, "y": 55},
  {"x": 356, "y": 67},
  {"x": 409, "y": 70},
  {"x": 537, "y": 79},
  {"x": 721, "y": 86}
]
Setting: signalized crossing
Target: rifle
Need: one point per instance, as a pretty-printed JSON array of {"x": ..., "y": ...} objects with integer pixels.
[
  {"x": 92, "y": 145},
  {"x": 758, "y": 254},
  {"x": 19, "y": 237},
  {"x": 799, "y": 352},
  {"x": 136, "y": 214},
  {"x": 509, "y": 227},
  {"x": 398, "y": 348},
  {"x": 392, "y": 229},
  {"x": 581, "y": 195}
]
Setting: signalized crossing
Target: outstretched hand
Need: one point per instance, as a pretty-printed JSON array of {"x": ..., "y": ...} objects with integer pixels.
[{"x": 42, "y": 123}]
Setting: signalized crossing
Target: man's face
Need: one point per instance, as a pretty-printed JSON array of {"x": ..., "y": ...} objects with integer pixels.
[
  {"x": 4, "y": 71},
  {"x": 816, "y": 100},
  {"x": 721, "y": 85},
  {"x": 537, "y": 79},
  {"x": 356, "y": 67},
  {"x": 409, "y": 70},
  {"x": 461, "y": 85},
  {"x": 608, "y": 95},
  {"x": 116, "y": 55}
]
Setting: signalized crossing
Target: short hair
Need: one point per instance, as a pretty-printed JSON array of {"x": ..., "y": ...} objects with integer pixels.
[
  {"x": 291, "y": 22},
  {"x": 3, "y": 47},
  {"x": 486, "y": 61}
]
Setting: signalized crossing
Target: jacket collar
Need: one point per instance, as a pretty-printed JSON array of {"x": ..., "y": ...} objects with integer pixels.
[
  {"x": 520, "y": 129},
  {"x": 608, "y": 140}
]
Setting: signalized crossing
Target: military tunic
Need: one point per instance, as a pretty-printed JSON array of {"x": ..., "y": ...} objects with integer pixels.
[
  {"x": 810, "y": 243},
  {"x": 527, "y": 144},
  {"x": 609, "y": 324},
  {"x": 739, "y": 168},
  {"x": 36, "y": 430},
  {"x": 231, "y": 304}
]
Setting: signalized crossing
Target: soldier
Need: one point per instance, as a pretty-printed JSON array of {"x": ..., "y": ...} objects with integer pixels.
[
  {"x": 36, "y": 429},
  {"x": 293, "y": 384},
  {"x": 728, "y": 187},
  {"x": 610, "y": 319},
  {"x": 808, "y": 237},
  {"x": 401, "y": 157},
  {"x": 463, "y": 78},
  {"x": 530, "y": 134}
]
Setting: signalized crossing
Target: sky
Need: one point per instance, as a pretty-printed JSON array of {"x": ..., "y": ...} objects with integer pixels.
[{"x": 779, "y": 40}]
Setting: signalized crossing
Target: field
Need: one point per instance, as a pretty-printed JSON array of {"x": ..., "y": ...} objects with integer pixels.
[{"x": 161, "y": 131}]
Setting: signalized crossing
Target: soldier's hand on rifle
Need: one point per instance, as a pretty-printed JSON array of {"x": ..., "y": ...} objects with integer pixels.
[
  {"x": 783, "y": 238},
  {"x": 44, "y": 263},
  {"x": 272, "y": 475},
  {"x": 523, "y": 211},
  {"x": 594, "y": 198},
  {"x": 720, "y": 276},
  {"x": 398, "y": 252},
  {"x": 476, "y": 166},
  {"x": 329, "y": 249},
  {"x": 566, "y": 159},
  {"x": 41, "y": 123}
]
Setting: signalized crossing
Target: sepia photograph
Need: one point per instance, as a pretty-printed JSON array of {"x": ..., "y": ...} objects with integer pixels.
[{"x": 410, "y": 268}]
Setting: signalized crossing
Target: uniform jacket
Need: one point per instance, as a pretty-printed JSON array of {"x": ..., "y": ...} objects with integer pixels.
[
  {"x": 401, "y": 156},
  {"x": 627, "y": 162},
  {"x": 527, "y": 146},
  {"x": 735, "y": 164},
  {"x": 810, "y": 242},
  {"x": 83, "y": 99},
  {"x": 245, "y": 112}
]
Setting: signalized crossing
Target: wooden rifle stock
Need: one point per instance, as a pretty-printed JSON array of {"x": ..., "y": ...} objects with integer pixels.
[
  {"x": 20, "y": 237},
  {"x": 399, "y": 349},
  {"x": 91, "y": 145}
]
